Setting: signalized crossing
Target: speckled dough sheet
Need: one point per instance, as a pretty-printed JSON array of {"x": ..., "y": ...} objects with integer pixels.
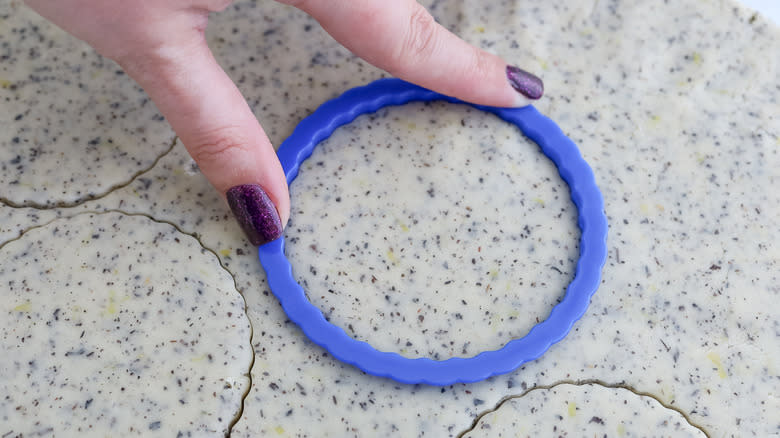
[{"x": 674, "y": 106}]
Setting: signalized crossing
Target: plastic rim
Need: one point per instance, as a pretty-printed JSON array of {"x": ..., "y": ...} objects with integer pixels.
[{"x": 553, "y": 143}]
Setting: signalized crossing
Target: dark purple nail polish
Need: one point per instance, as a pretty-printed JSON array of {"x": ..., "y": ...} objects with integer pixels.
[
  {"x": 524, "y": 83},
  {"x": 255, "y": 213}
]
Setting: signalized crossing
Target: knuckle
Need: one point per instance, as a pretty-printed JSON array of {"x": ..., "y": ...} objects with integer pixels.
[
  {"x": 420, "y": 39},
  {"x": 480, "y": 65},
  {"x": 224, "y": 144}
]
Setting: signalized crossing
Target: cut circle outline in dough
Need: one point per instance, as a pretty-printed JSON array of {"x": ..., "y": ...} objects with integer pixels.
[{"x": 553, "y": 143}]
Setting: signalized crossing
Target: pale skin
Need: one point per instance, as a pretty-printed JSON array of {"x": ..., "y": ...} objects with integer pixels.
[{"x": 161, "y": 45}]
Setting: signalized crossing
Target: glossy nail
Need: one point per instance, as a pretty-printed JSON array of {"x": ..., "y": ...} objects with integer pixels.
[
  {"x": 255, "y": 212},
  {"x": 524, "y": 83}
]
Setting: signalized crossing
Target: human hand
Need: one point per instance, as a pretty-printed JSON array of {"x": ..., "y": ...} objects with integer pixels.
[{"x": 161, "y": 44}]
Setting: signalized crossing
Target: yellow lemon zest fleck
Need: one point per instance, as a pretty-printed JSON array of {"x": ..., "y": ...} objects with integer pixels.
[
  {"x": 572, "y": 409},
  {"x": 716, "y": 360},
  {"x": 5, "y": 83},
  {"x": 279, "y": 430},
  {"x": 111, "y": 308},
  {"x": 224, "y": 252},
  {"x": 25, "y": 307},
  {"x": 391, "y": 256}
]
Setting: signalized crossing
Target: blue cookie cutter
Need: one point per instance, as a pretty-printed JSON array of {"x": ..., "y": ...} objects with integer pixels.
[{"x": 553, "y": 143}]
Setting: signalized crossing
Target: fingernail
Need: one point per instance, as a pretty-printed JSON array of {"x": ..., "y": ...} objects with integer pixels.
[
  {"x": 524, "y": 83},
  {"x": 255, "y": 212}
]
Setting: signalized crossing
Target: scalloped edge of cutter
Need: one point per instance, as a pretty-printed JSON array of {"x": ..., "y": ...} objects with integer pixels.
[{"x": 590, "y": 218}]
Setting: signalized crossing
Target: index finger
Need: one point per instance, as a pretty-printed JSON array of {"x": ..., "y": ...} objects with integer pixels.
[{"x": 403, "y": 38}]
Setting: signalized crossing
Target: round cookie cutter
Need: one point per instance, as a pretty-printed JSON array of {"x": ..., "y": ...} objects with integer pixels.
[{"x": 553, "y": 143}]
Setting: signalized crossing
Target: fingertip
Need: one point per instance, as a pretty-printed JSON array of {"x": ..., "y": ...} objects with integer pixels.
[
  {"x": 255, "y": 212},
  {"x": 527, "y": 86}
]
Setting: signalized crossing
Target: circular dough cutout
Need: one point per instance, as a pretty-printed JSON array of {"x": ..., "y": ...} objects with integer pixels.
[
  {"x": 583, "y": 411},
  {"x": 432, "y": 230},
  {"x": 118, "y": 325}
]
